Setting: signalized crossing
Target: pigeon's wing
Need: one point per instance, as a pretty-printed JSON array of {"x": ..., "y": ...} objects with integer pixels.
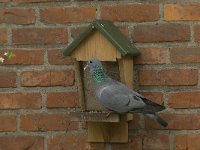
[{"x": 119, "y": 98}]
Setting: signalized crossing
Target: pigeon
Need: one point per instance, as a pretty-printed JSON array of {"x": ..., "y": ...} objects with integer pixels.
[{"x": 117, "y": 97}]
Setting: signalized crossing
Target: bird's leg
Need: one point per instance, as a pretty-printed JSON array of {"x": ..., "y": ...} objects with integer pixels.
[
  {"x": 108, "y": 113},
  {"x": 84, "y": 114}
]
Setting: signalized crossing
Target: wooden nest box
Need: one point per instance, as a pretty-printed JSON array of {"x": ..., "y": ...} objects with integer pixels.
[{"x": 104, "y": 41}]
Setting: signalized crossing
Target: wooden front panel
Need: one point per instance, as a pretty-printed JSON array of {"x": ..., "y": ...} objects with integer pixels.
[{"x": 96, "y": 46}]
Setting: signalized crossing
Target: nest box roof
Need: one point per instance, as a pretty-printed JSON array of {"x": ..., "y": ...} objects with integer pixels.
[{"x": 111, "y": 33}]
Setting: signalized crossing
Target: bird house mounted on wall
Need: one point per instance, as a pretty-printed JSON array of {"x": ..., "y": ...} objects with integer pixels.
[{"x": 104, "y": 41}]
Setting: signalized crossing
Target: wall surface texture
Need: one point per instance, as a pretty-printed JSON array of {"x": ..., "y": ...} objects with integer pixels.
[{"x": 37, "y": 87}]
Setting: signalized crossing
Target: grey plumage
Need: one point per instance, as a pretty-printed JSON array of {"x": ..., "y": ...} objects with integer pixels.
[{"x": 118, "y": 97}]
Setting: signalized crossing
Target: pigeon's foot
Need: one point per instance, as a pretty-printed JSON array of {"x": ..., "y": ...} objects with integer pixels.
[{"x": 109, "y": 113}]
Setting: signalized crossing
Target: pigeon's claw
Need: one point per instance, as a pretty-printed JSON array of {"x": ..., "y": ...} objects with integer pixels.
[{"x": 86, "y": 66}]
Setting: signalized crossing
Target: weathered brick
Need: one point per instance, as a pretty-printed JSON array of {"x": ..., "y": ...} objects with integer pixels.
[
  {"x": 161, "y": 33},
  {"x": 83, "y": 0},
  {"x": 96, "y": 146},
  {"x": 68, "y": 15},
  {"x": 70, "y": 141},
  {"x": 144, "y": 142},
  {"x": 39, "y": 36},
  {"x": 176, "y": 122},
  {"x": 47, "y": 122},
  {"x": 185, "y": 55},
  {"x": 45, "y": 78},
  {"x": 156, "y": 142},
  {"x": 151, "y": 56},
  {"x": 130, "y": 12},
  {"x": 187, "y": 141},
  {"x": 197, "y": 33},
  {"x": 156, "y": 97},
  {"x": 8, "y": 123},
  {"x": 20, "y": 100},
  {"x": 22, "y": 142},
  {"x": 56, "y": 57},
  {"x": 169, "y": 77},
  {"x": 181, "y": 12},
  {"x": 17, "y": 16},
  {"x": 134, "y": 143},
  {"x": 76, "y": 31},
  {"x": 26, "y": 57},
  {"x": 70, "y": 77},
  {"x": 36, "y": 1},
  {"x": 135, "y": 123},
  {"x": 184, "y": 100},
  {"x": 7, "y": 79},
  {"x": 3, "y": 36},
  {"x": 62, "y": 100},
  {"x": 4, "y": 1}
]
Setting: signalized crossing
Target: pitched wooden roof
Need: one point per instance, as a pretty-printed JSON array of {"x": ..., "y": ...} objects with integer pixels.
[{"x": 111, "y": 33}]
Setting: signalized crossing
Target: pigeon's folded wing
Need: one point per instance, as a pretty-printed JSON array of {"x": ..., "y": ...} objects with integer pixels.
[{"x": 119, "y": 98}]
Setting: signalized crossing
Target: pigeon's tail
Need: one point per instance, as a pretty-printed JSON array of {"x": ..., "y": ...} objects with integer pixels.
[
  {"x": 152, "y": 107},
  {"x": 149, "y": 108},
  {"x": 157, "y": 119}
]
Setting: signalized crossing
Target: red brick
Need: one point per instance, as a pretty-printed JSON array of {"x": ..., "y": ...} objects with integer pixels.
[
  {"x": 134, "y": 143},
  {"x": 17, "y": 16},
  {"x": 62, "y": 100},
  {"x": 135, "y": 123},
  {"x": 176, "y": 122},
  {"x": 184, "y": 100},
  {"x": 185, "y": 55},
  {"x": 20, "y": 100},
  {"x": 130, "y": 12},
  {"x": 156, "y": 142},
  {"x": 21, "y": 143},
  {"x": 76, "y": 31},
  {"x": 7, "y": 79},
  {"x": 8, "y": 123},
  {"x": 56, "y": 57},
  {"x": 156, "y": 97},
  {"x": 4, "y": 1},
  {"x": 187, "y": 142},
  {"x": 83, "y": 0},
  {"x": 39, "y": 36},
  {"x": 36, "y": 1},
  {"x": 68, "y": 15},
  {"x": 181, "y": 12},
  {"x": 3, "y": 36},
  {"x": 197, "y": 33},
  {"x": 96, "y": 146},
  {"x": 151, "y": 56},
  {"x": 70, "y": 141},
  {"x": 26, "y": 57},
  {"x": 47, "y": 122},
  {"x": 45, "y": 78},
  {"x": 161, "y": 33},
  {"x": 70, "y": 77},
  {"x": 144, "y": 142},
  {"x": 169, "y": 77}
]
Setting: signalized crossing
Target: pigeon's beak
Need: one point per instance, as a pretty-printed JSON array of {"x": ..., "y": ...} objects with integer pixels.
[{"x": 86, "y": 66}]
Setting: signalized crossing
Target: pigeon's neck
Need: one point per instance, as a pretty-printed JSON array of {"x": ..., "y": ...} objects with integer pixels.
[{"x": 99, "y": 75}]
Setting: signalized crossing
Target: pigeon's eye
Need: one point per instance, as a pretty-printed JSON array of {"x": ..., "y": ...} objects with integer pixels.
[{"x": 90, "y": 62}]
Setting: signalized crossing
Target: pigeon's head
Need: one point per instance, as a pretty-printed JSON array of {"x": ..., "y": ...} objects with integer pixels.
[{"x": 93, "y": 64}]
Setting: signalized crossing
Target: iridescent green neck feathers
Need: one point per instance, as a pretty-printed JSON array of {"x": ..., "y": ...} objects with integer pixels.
[{"x": 99, "y": 75}]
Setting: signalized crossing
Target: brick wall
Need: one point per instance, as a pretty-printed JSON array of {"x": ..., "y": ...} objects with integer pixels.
[{"x": 37, "y": 87}]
